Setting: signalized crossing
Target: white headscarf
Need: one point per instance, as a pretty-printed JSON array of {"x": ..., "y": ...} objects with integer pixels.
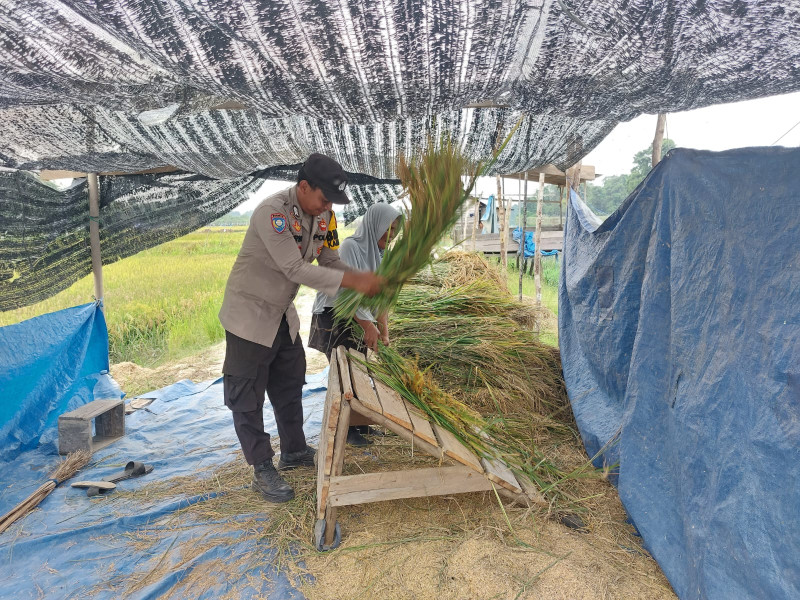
[{"x": 361, "y": 250}]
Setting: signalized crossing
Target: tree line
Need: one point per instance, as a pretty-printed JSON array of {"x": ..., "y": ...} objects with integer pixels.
[{"x": 605, "y": 198}]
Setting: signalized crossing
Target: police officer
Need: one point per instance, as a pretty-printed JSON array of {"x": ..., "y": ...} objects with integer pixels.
[{"x": 263, "y": 351}]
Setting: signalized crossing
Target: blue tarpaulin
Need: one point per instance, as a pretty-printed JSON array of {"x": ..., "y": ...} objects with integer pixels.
[
  {"x": 679, "y": 326},
  {"x": 50, "y": 365},
  {"x": 530, "y": 245},
  {"x": 77, "y": 547}
]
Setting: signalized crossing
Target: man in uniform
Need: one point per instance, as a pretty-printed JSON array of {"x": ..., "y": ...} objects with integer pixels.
[{"x": 263, "y": 351}]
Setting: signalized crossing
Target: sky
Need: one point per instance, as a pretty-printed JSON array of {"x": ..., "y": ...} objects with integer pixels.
[{"x": 721, "y": 127}]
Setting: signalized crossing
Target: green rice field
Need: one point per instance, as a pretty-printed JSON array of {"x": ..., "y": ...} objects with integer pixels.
[{"x": 162, "y": 304}]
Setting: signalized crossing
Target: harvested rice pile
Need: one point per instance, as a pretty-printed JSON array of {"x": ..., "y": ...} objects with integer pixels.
[
  {"x": 465, "y": 355},
  {"x": 459, "y": 321}
]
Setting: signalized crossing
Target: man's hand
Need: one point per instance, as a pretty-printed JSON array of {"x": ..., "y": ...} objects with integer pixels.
[
  {"x": 364, "y": 282},
  {"x": 371, "y": 333}
]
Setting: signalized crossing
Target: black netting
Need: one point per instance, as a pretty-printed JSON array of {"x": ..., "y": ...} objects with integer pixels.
[
  {"x": 233, "y": 143},
  {"x": 355, "y": 61},
  {"x": 44, "y": 232}
]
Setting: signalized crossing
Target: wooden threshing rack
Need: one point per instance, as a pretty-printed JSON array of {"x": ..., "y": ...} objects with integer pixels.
[{"x": 351, "y": 388}]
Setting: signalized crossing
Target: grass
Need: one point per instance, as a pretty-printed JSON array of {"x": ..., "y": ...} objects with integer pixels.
[
  {"x": 551, "y": 271},
  {"x": 160, "y": 304}
]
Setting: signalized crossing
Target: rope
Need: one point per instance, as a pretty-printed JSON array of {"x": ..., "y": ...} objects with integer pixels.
[{"x": 785, "y": 134}]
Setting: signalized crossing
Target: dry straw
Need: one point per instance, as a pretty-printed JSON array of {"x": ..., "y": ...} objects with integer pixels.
[{"x": 66, "y": 469}]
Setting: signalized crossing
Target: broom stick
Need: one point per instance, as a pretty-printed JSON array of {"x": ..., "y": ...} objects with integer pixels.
[{"x": 74, "y": 462}]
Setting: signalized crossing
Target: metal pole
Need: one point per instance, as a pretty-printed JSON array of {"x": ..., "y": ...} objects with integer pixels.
[
  {"x": 522, "y": 239},
  {"x": 94, "y": 235}
]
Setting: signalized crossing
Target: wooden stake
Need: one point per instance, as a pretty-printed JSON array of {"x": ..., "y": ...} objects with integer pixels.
[
  {"x": 501, "y": 218},
  {"x": 476, "y": 222},
  {"x": 522, "y": 228},
  {"x": 659, "y": 138},
  {"x": 94, "y": 235},
  {"x": 537, "y": 254}
]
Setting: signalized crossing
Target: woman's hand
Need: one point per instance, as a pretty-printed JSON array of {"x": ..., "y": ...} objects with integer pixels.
[
  {"x": 371, "y": 333},
  {"x": 383, "y": 327}
]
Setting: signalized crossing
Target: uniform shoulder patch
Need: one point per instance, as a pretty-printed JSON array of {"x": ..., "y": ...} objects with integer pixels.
[
  {"x": 322, "y": 225},
  {"x": 279, "y": 222}
]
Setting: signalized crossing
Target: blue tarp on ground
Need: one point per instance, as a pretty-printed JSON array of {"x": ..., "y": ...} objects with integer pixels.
[
  {"x": 679, "y": 326},
  {"x": 50, "y": 365},
  {"x": 77, "y": 547}
]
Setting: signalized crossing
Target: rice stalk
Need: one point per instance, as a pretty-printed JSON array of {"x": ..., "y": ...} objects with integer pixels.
[{"x": 66, "y": 469}]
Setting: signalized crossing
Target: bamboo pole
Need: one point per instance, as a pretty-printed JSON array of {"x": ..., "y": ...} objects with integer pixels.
[
  {"x": 524, "y": 219},
  {"x": 520, "y": 250},
  {"x": 94, "y": 236},
  {"x": 537, "y": 254},
  {"x": 477, "y": 221},
  {"x": 659, "y": 138},
  {"x": 508, "y": 215},
  {"x": 501, "y": 218}
]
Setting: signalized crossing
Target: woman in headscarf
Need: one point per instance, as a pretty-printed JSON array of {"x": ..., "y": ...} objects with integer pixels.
[{"x": 363, "y": 250}]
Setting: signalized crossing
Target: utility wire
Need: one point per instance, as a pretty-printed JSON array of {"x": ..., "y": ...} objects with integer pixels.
[{"x": 785, "y": 134}]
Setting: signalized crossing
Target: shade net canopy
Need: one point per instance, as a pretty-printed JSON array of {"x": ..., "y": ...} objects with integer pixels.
[
  {"x": 231, "y": 88},
  {"x": 133, "y": 84}
]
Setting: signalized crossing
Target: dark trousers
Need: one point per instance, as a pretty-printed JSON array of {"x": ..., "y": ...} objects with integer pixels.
[{"x": 249, "y": 371}]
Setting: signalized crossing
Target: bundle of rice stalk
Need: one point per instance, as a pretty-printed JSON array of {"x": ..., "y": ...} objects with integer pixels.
[
  {"x": 493, "y": 438},
  {"x": 458, "y": 267},
  {"x": 492, "y": 363},
  {"x": 488, "y": 288},
  {"x": 436, "y": 192},
  {"x": 74, "y": 462},
  {"x": 467, "y": 336}
]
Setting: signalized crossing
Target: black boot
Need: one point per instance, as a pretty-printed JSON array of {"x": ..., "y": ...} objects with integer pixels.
[
  {"x": 292, "y": 460},
  {"x": 269, "y": 482},
  {"x": 354, "y": 437}
]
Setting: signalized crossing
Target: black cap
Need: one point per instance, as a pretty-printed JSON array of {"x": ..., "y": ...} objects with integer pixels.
[{"x": 327, "y": 174}]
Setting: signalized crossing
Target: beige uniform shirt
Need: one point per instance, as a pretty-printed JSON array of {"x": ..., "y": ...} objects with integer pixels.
[{"x": 274, "y": 260}]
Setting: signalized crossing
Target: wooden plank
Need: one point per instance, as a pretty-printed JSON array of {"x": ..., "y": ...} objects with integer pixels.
[
  {"x": 421, "y": 426},
  {"x": 344, "y": 372},
  {"x": 404, "y": 433},
  {"x": 414, "y": 483},
  {"x": 530, "y": 490},
  {"x": 362, "y": 385},
  {"x": 338, "y": 461},
  {"x": 336, "y": 393},
  {"x": 92, "y": 409},
  {"x": 49, "y": 174},
  {"x": 394, "y": 407},
  {"x": 498, "y": 472},
  {"x": 332, "y": 397},
  {"x": 455, "y": 449}
]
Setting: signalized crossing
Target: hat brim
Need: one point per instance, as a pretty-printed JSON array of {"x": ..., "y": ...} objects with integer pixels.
[{"x": 335, "y": 196}]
